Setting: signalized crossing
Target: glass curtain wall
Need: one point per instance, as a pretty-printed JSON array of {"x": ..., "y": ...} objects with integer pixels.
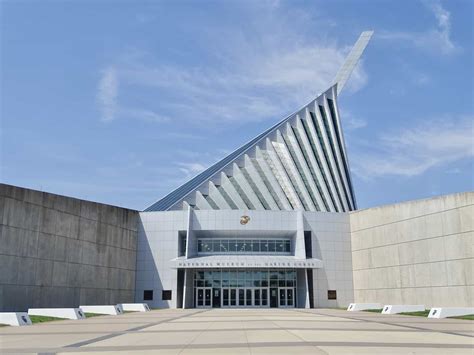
[{"x": 244, "y": 246}]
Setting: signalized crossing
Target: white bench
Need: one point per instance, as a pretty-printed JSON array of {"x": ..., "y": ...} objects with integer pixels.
[
  {"x": 400, "y": 308},
  {"x": 15, "y": 318},
  {"x": 353, "y": 307},
  {"x": 135, "y": 307},
  {"x": 105, "y": 309},
  {"x": 68, "y": 313},
  {"x": 443, "y": 312}
]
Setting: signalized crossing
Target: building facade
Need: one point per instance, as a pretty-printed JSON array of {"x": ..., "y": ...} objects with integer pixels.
[
  {"x": 234, "y": 258},
  {"x": 264, "y": 225}
]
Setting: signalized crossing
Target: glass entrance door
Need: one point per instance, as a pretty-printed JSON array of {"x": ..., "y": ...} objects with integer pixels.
[
  {"x": 216, "y": 297},
  {"x": 249, "y": 297},
  {"x": 273, "y": 297},
  {"x": 244, "y": 297},
  {"x": 286, "y": 297},
  {"x": 203, "y": 297},
  {"x": 264, "y": 297},
  {"x": 230, "y": 297}
]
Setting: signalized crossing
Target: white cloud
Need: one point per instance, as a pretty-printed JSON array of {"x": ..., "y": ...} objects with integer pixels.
[
  {"x": 190, "y": 169},
  {"x": 453, "y": 171},
  {"x": 256, "y": 73},
  {"x": 412, "y": 151},
  {"x": 107, "y": 93},
  {"x": 421, "y": 79},
  {"x": 437, "y": 40},
  {"x": 271, "y": 83},
  {"x": 350, "y": 122},
  {"x": 143, "y": 114},
  {"x": 107, "y": 99}
]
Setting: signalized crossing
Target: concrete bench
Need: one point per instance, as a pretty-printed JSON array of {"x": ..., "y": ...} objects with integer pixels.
[
  {"x": 105, "y": 309},
  {"x": 443, "y": 312},
  {"x": 353, "y": 307},
  {"x": 68, "y": 313},
  {"x": 15, "y": 318},
  {"x": 400, "y": 308},
  {"x": 135, "y": 307}
]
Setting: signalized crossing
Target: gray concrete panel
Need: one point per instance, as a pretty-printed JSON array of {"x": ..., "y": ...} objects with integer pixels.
[
  {"x": 56, "y": 250},
  {"x": 416, "y": 252}
]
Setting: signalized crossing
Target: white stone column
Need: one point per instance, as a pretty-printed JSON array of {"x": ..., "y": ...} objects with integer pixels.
[{"x": 300, "y": 251}]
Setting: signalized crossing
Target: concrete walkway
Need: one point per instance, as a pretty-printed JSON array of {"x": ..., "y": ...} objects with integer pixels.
[{"x": 244, "y": 331}]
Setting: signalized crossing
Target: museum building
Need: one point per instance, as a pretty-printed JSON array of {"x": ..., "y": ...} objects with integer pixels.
[
  {"x": 273, "y": 224},
  {"x": 264, "y": 225}
]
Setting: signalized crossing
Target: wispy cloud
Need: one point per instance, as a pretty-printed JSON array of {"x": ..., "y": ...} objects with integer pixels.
[
  {"x": 107, "y": 93},
  {"x": 251, "y": 75},
  {"x": 142, "y": 114},
  {"x": 437, "y": 40},
  {"x": 272, "y": 82},
  {"x": 191, "y": 169},
  {"x": 412, "y": 151},
  {"x": 107, "y": 99},
  {"x": 351, "y": 122}
]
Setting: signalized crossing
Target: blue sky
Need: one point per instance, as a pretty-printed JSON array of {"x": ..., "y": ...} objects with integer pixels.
[{"x": 121, "y": 102}]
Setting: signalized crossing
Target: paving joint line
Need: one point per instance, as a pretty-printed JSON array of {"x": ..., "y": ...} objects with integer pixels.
[
  {"x": 246, "y": 338},
  {"x": 197, "y": 335},
  {"x": 392, "y": 324},
  {"x": 113, "y": 335},
  {"x": 364, "y": 344},
  {"x": 295, "y": 335}
]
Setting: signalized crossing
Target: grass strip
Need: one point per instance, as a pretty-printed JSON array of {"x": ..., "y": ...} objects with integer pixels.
[
  {"x": 43, "y": 319},
  {"x": 374, "y": 310},
  {"x": 417, "y": 314},
  {"x": 466, "y": 317}
]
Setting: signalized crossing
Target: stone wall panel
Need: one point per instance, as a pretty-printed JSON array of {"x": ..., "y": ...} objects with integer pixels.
[{"x": 57, "y": 251}]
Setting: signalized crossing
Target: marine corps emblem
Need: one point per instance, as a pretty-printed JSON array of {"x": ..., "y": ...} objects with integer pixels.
[{"x": 244, "y": 220}]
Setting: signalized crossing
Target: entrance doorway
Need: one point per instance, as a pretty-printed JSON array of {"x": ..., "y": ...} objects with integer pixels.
[
  {"x": 286, "y": 297},
  {"x": 273, "y": 297},
  {"x": 216, "y": 297},
  {"x": 244, "y": 297},
  {"x": 203, "y": 297},
  {"x": 245, "y": 288}
]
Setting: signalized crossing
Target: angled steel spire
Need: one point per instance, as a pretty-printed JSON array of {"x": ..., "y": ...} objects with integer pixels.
[
  {"x": 300, "y": 163},
  {"x": 352, "y": 59}
]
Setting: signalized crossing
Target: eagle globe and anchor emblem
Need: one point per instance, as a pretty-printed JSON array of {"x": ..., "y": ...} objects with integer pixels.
[{"x": 244, "y": 220}]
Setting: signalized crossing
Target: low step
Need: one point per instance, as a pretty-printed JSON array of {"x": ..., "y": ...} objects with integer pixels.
[
  {"x": 15, "y": 318},
  {"x": 103, "y": 309},
  {"x": 443, "y": 312},
  {"x": 68, "y": 313},
  {"x": 401, "y": 308},
  {"x": 353, "y": 307}
]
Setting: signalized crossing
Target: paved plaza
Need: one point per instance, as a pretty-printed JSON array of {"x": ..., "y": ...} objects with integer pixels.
[{"x": 243, "y": 331}]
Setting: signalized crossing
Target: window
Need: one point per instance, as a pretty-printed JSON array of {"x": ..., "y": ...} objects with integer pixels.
[
  {"x": 148, "y": 295},
  {"x": 332, "y": 295},
  {"x": 166, "y": 295},
  {"x": 182, "y": 244},
  {"x": 308, "y": 244},
  {"x": 243, "y": 246}
]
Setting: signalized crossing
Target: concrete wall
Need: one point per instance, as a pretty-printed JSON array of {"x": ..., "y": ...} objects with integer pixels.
[
  {"x": 57, "y": 251},
  {"x": 417, "y": 252}
]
